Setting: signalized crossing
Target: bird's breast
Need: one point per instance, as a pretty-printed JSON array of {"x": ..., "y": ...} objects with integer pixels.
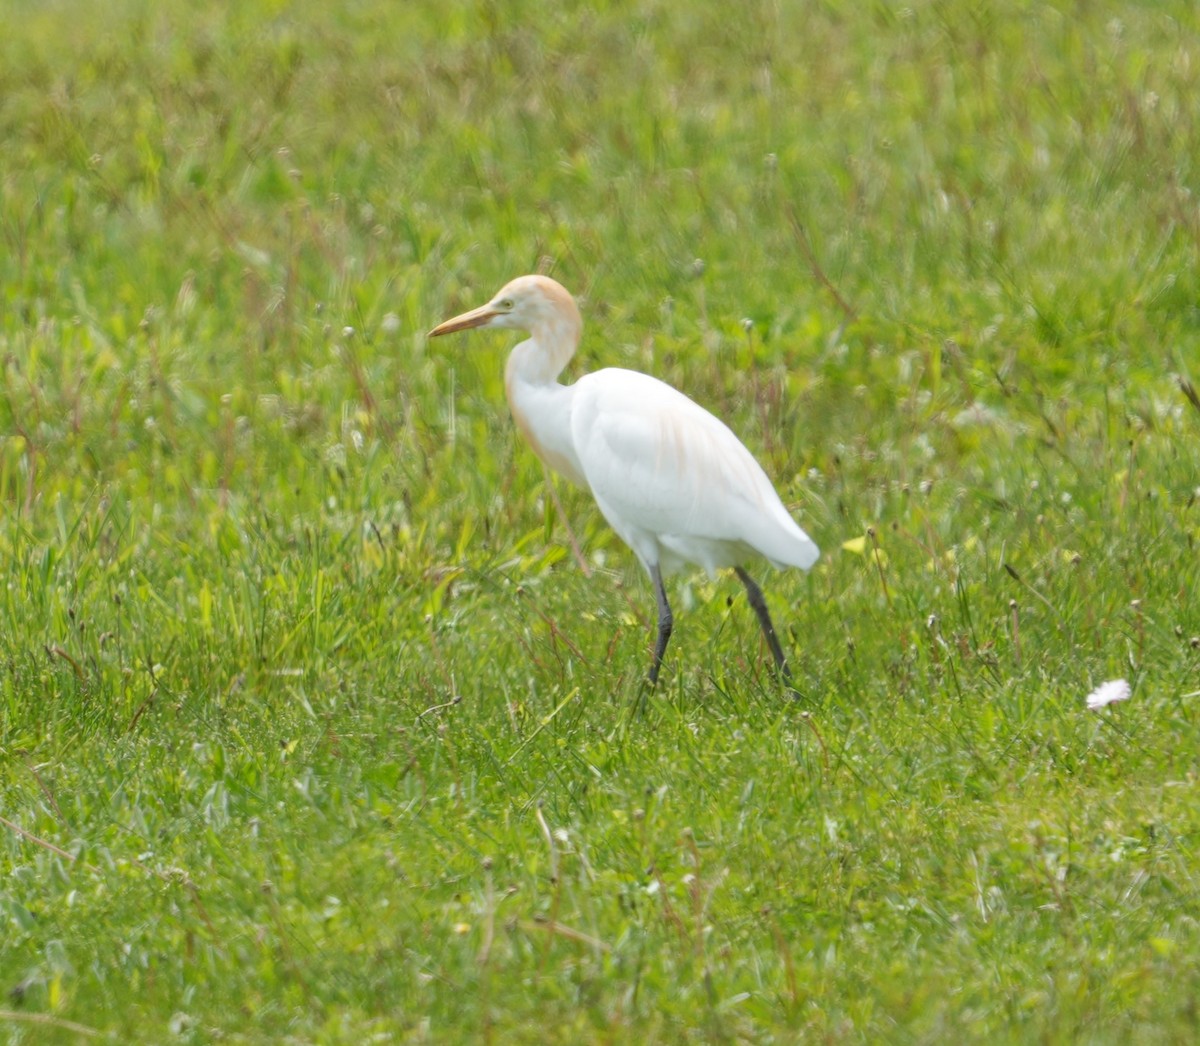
[{"x": 542, "y": 415}]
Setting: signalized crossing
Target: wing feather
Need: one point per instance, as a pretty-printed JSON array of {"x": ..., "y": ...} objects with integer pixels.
[{"x": 661, "y": 465}]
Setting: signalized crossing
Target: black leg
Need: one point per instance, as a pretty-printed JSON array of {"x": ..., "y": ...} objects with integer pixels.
[
  {"x": 665, "y": 623},
  {"x": 764, "y": 618}
]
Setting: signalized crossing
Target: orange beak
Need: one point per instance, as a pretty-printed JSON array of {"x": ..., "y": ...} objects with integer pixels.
[{"x": 475, "y": 318}]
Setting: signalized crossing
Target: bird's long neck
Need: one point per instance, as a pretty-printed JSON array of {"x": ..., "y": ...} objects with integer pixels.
[
  {"x": 540, "y": 359},
  {"x": 540, "y": 406}
]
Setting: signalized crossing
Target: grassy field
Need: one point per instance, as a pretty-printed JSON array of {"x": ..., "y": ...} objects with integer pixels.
[{"x": 313, "y": 729}]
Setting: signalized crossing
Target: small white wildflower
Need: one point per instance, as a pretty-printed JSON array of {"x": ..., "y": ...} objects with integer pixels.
[
  {"x": 1107, "y": 693},
  {"x": 390, "y": 324},
  {"x": 831, "y": 829}
]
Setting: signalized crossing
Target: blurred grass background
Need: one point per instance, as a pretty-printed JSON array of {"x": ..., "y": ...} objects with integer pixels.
[{"x": 310, "y": 727}]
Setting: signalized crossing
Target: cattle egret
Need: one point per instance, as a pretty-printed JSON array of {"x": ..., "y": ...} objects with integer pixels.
[{"x": 673, "y": 481}]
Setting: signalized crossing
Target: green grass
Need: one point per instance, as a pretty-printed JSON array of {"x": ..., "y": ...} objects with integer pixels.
[{"x": 311, "y": 727}]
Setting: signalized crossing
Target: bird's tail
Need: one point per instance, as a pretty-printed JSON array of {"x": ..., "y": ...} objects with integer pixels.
[{"x": 783, "y": 542}]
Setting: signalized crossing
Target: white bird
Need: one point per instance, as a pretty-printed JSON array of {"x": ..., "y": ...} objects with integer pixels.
[{"x": 672, "y": 480}]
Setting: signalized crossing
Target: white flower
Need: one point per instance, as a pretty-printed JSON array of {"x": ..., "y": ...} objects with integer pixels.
[{"x": 1107, "y": 693}]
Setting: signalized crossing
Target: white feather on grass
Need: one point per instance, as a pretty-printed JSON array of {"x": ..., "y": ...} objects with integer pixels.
[{"x": 1107, "y": 693}]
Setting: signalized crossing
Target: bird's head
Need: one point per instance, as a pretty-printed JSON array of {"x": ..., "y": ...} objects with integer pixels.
[{"x": 528, "y": 303}]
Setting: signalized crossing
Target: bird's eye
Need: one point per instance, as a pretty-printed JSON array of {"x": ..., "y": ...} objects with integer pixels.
[{"x": 507, "y": 303}]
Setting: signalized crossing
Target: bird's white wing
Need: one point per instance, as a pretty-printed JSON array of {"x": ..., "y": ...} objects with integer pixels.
[{"x": 672, "y": 479}]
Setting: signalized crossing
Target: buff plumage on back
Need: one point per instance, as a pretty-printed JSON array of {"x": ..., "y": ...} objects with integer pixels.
[{"x": 672, "y": 480}]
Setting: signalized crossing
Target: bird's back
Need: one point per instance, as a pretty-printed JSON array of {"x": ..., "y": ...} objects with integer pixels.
[{"x": 673, "y": 481}]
